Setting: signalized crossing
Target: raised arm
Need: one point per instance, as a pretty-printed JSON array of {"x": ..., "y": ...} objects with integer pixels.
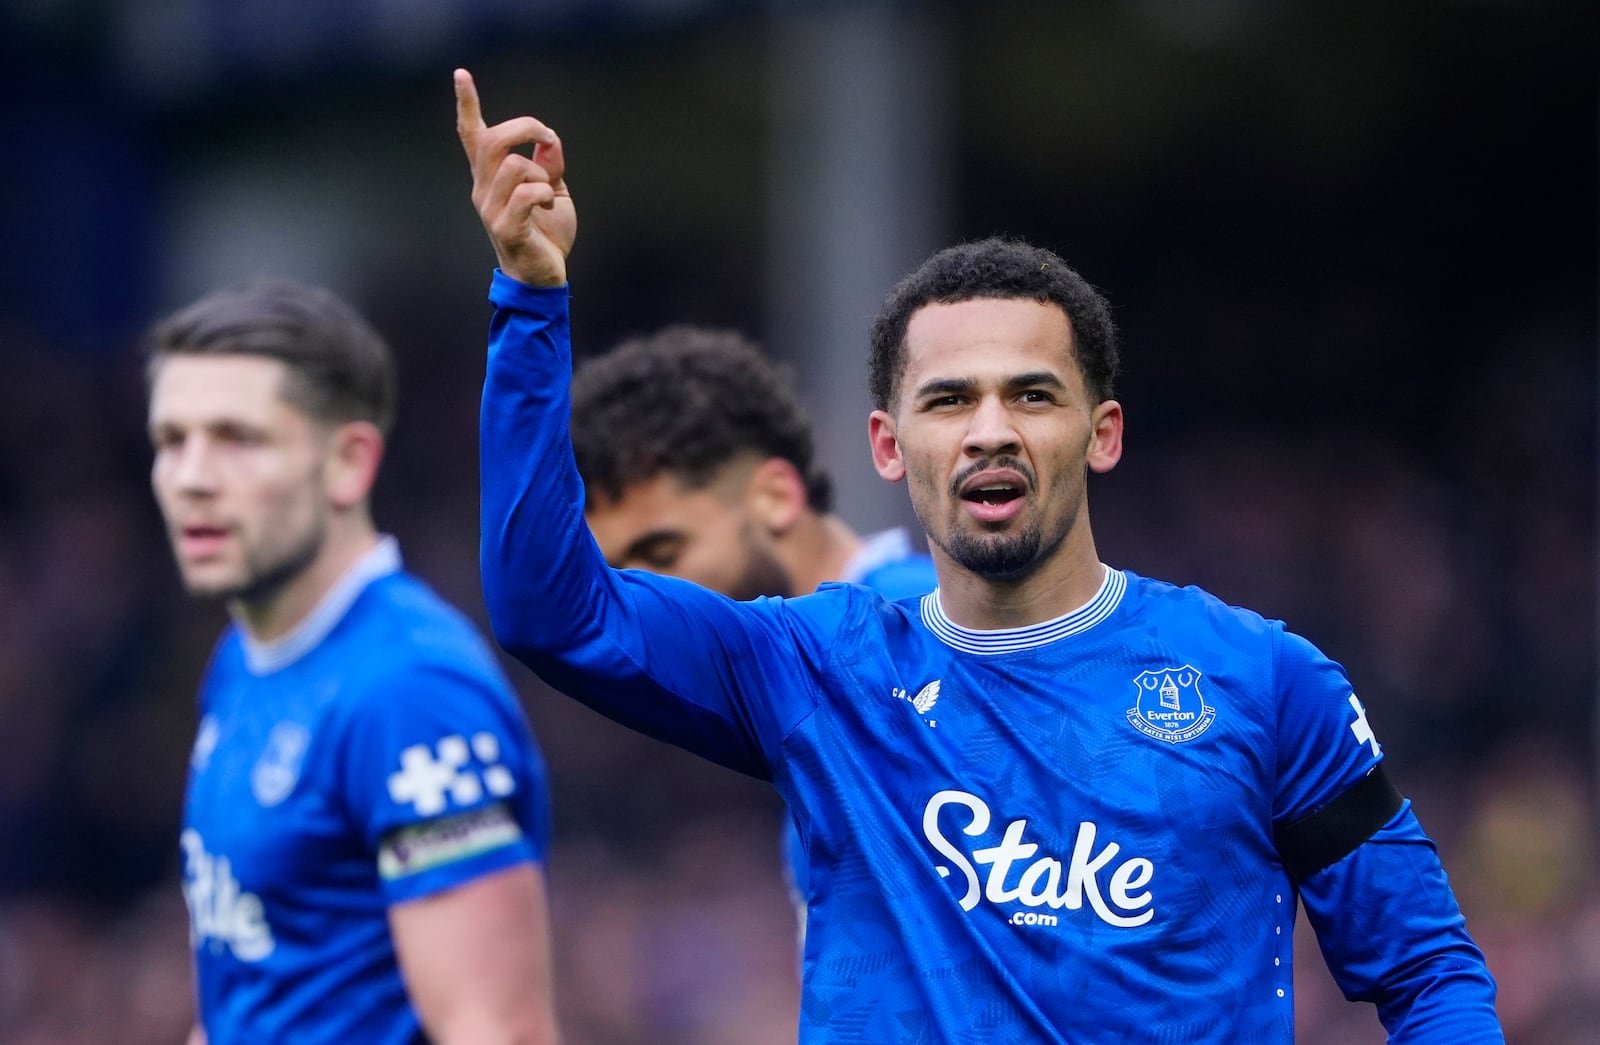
[
  {"x": 528, "y": 212},
  {"x": 680, "y": 663}
]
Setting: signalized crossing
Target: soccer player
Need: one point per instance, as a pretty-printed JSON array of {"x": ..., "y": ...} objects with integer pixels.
[
  {"x": 1051, "y": 801},
  {"x": 366, "y": 816},
  {"x": 696, "y": 460}
]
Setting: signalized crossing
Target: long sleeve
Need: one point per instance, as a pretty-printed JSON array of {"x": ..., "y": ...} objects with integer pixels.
[
  {"x": 663, "y": 656},
  {"x": 1393, "y": 934}
]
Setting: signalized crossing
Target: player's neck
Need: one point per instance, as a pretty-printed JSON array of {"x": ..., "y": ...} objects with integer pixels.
[
  {"x": 817, "y": 550},
  {"x": 1068, "y": 580},
  {"x": 276, "y": 614}
]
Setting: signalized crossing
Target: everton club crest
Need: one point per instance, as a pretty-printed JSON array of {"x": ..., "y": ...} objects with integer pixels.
[
  {"x": 276, "y": 771},
  {"x": 1169, "y": 705}
]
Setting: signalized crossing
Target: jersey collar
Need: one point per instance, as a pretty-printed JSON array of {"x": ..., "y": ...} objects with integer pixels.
[
  {"x": 275, "y": 654},
  {"x": 1011, "y": 640}
]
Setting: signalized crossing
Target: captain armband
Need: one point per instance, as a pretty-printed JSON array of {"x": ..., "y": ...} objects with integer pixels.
[
  {"x": 434, "y": 843},
  {"x": 1323, "y": 838}
]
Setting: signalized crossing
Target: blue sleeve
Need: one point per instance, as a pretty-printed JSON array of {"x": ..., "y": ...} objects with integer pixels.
[
  {"x": 660, "y": 655},
  {"x": 1392, "y": 934},
  {"x": 1325, "y": 744},
  {"x": 1385, "y": 916},
  {"x": 441, "y": 778}
]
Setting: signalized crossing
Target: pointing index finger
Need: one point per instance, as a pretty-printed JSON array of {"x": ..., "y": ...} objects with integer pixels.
[{"x": 469, "y": 117}]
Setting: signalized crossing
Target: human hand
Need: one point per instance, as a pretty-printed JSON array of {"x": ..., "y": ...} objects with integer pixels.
[{"x": 523, "y": 202}]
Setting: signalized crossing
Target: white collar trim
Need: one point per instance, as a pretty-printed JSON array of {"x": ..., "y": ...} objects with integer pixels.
[
  {"x": 1010, "y": 640},
  {"x": 263, "y": 658}
]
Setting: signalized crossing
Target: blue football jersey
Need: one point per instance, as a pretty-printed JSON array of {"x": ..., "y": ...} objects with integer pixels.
[
  {"x": 891, "y": 567},
  {"x": 374, "y": 755},
  {"x": 1064, "y": 833}
]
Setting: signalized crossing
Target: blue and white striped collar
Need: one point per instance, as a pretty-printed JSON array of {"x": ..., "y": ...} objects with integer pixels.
[
  {"x": 1010, "y": 640},
  {"x": 275, "y": 654}
]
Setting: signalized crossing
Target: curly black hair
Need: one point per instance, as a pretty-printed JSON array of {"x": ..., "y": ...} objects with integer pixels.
[
  {"x": 997, "y": 267},
  {"x": 686, "y": 401}
]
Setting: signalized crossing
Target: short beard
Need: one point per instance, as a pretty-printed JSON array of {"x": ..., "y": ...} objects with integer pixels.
[
  {"x": 763, "y": 574},
  {"x": 998, "y": 557},
  {"x": 266, "y": 577}
]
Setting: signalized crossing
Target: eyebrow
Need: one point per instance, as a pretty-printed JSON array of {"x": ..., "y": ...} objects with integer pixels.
[
  {"x": 948, "y": 385},
  {"x": 1036, "y": 379},
  {"x": 944, "y": 386}
]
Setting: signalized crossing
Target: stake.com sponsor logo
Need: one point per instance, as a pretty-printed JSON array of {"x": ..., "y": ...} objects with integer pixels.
[{"x": 1123, "y": 901}]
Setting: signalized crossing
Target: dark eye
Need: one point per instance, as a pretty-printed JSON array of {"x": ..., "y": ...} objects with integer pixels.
[
  {"x": 1035, "y": 395},
  {"x": 242, "y": 436},
  {"x": 659, "y": 553},
  {"x": 662, "y": 559}
]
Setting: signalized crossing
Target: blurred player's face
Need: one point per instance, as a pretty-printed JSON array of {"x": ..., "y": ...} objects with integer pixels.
[
  {"x": 994, "y": 433},
  {"x": 238, "y": 473},
  {"x": 705, "y": 534}
]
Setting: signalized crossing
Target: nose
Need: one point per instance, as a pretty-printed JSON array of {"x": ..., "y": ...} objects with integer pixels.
[
  {"x": 992, "y": 431},
  {"x": 193, "y": 466}
]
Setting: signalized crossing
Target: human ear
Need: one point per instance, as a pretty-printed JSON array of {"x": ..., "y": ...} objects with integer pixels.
[
  {"x": 885, "y": 446},
  {"x": 355, "y": 449},
  {"x": 1105, "y": 439},
  {"x": 775, "y": 494}
]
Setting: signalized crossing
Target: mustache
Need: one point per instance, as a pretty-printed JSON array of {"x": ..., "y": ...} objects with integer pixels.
[{"x": 1005, "y": 461}]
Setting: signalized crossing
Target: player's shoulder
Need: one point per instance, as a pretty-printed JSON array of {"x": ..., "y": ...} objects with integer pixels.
[
  {"x": 906, "y": 578},
  {"x": 406, "y": 655},
  {"x": 400, "y": 627},
  {"x": 1166, "y": 605},
  {"x": 1192, "y": 611},
  {"x": 853, "y": 609}
]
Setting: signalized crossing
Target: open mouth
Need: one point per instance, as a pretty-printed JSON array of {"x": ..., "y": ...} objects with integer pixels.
[
  {"x": 995, "y": 494},
  {"x": 992, "y": 493}
]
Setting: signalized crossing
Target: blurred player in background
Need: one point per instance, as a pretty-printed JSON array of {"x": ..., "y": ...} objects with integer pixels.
[
  {"x": 696, "y": 459},
  {"x": 366, "y": 816},
  {"x": 1051, "y": 801}
]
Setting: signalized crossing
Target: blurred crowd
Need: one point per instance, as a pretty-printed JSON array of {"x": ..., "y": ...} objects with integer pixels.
[{"x": 1458, "y": 592}]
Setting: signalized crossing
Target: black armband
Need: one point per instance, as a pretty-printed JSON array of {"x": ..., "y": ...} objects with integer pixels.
[{"x": 1323, "y": 838}]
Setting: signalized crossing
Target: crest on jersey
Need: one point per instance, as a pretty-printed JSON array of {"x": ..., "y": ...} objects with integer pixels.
[
  {"x": 1169, "y": 705},
  {"x": 278, "y": 767}
]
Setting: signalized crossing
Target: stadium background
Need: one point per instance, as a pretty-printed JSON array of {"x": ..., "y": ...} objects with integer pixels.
[{"x": 1352, "y": 248}]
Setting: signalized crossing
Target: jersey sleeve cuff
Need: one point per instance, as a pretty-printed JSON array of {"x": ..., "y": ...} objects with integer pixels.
[{"x": 507, "y": 292}]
